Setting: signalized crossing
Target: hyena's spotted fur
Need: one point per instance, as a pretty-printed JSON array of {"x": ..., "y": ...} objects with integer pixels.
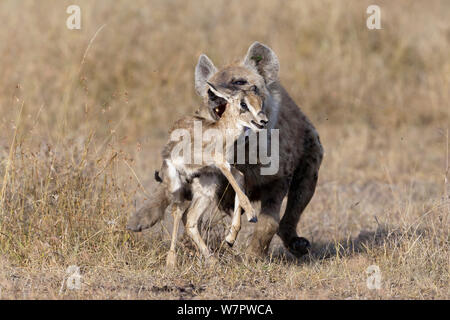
[{"x": 299, "y": 147}]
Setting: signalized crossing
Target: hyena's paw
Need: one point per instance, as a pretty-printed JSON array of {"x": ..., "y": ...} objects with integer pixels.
[{"x": 299, "y": 246}]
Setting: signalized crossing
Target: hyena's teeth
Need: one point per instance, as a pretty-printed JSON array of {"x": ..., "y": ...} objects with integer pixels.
[{"x": 217, "y": 110}]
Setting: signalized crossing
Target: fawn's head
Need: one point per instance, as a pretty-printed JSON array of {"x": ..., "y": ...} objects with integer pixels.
[
  {"x": 258, "y": 68},
  {"x": 245, "y": 107}
]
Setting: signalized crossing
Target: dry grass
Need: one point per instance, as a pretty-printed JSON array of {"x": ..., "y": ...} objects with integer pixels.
[{"x": 380, "y": 100}]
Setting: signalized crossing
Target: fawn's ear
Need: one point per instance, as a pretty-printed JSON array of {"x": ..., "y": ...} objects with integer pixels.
[
  {"x": 264, "y": 60},
  {"x": 203, "y": 71},
  {"x": 216, "y": 92}
]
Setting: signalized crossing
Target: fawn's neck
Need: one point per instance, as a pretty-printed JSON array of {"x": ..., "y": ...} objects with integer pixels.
[{"x": 229, "y": 126}]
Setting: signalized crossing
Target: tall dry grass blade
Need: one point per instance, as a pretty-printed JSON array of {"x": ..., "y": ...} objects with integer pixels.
[
  {"x": 89, "y": 46},
  {"x": 10, "y": 159},
  {"x": 141, "y": 186}
]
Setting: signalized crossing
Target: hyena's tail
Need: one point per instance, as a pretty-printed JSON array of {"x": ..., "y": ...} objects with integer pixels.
[{"x": 151, "y": 212}]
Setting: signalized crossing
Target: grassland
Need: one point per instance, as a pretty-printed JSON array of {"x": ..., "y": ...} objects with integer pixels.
[{"x": 84, "y": 114}]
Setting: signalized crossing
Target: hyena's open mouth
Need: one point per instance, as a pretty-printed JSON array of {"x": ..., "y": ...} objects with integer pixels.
[
  {"x": 217, "y": 104},
  {"x": 220, "y": 109}
]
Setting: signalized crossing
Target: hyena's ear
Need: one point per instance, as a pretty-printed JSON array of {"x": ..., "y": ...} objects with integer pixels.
[
  {"x": 264, "y": 60},
  {"x": 203, "y": 71}
]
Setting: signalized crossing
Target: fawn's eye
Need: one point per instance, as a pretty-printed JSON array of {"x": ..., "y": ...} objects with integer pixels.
[
  {"x": 244, "y": 106},
  {"x": 240, "y": 82}
]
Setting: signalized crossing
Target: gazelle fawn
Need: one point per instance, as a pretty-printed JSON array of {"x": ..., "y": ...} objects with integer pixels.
[{"x": 242, "y": 111}]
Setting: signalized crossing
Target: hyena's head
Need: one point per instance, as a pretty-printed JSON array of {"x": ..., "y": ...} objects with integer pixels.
[
  {"x": 243, "y": 107},
  {"x": 258, "y": 69}
]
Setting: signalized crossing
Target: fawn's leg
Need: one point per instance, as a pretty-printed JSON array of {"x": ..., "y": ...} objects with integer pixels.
[
  {"x": 177, "y": 213},
  {"x": 198, "y": 206},
  {"x": 225, "y": 168},
  {"x": 235, "y": 223},
  {"x": 236, "y": 218}
]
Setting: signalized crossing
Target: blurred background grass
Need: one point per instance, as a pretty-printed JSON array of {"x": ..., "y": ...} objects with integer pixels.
[
  {"x": 96, "y": 110},
  {"x": 141, "y": 64}
]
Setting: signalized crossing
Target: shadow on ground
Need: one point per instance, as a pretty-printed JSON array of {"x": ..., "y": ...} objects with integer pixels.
[{"x": 383, "y": 236}]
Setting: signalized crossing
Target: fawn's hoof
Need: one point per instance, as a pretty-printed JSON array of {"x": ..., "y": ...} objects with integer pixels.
[
  {"x": 230, "y": 243},
  {"x": 253, "y": 219},
  {"x": 171, "y": 261},
  {"x": 299, "y": 246}
]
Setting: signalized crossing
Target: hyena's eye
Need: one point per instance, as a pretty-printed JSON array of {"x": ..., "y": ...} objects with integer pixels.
[
  {"x": 240, "y": 82},
  {"x": 244, "y": 106}
]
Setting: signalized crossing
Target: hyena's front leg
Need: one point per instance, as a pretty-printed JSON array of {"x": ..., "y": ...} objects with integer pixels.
[{"x": 301, "y": 190}]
